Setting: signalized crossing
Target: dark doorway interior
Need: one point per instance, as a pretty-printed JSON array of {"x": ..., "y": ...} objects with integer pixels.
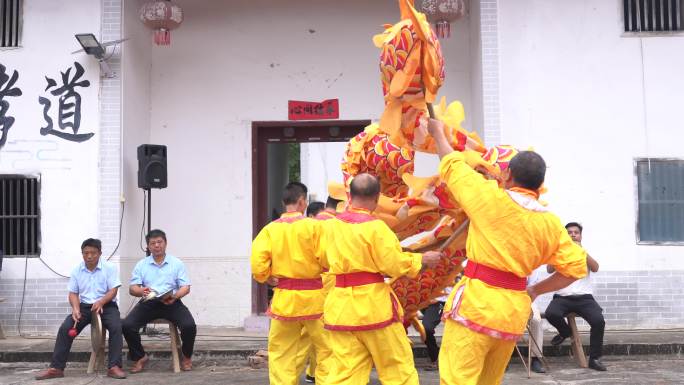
[{"x": 274, "y": 159}]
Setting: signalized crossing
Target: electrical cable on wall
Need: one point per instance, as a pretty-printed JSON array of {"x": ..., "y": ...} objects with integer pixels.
[
  {"x": 23, "y": 295},
  {"x": 142, "y": 228},
  {"x": 51, "y": 269},
  {"x": 123, "y": 207}
]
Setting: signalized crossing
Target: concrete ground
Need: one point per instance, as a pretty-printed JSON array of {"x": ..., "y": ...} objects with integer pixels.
[
  {"x": 228, "y": 344},
  {"x": 633, "y": 357},
  {"x": 633, "y": 370}
]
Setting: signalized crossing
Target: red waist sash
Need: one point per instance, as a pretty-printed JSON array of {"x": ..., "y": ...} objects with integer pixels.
[
  {"x": 494, "y": 277},
  {"x": 300, "y": 283},
  {"x": 358, "y": 279}
]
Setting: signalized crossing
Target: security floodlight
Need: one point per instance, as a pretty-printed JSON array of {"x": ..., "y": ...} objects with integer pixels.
[
  {"x": 93, "y": 47},
  {"x": 90, "y": 44}
]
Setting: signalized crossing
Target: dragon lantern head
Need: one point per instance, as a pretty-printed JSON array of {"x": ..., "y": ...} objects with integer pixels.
[{"x": 412, "y": 71}]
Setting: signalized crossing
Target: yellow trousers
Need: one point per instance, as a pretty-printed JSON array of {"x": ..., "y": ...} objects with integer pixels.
[
  {"x": 471, "y": 358},
  {"x": 307, "y": 354},
  {"x": 355, "y": 353},
  {"x": 311, "y": 369},
  {"x": 285, "y": 342}
]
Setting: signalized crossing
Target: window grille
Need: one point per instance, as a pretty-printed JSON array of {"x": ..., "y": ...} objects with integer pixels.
[
  {"x": 652, "y": 15},
  {"x": 660, "y": 185},
  {"x": 10, "y": 23},
  {"x": 20, "y": 215}
]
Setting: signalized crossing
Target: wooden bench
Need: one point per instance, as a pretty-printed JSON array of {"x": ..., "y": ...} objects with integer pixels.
[
  {"x": 175, "y": 342},
  {"x": 576, "y": 348}
]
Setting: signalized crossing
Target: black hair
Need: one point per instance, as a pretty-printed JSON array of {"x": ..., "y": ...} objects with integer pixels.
[
  {"x": 92, "y": 242},
  {"x": 314, "y": 208},
  {"x": 364, "y": 186},
  {"x": 331, "y": 203},
  {"x": 528, "y": 169},
  {"x": 156, "y": 233},
  {"x": 574, "y": 224},
  {"x": 293, "y": 191}
]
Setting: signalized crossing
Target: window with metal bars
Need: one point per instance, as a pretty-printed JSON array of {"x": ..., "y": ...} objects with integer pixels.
[
  {"x": 653, "y": 15},
  {"x": 10, "y": 23},
  {"x": 20, "y": 215},
  {"x": 660, "y": 209}
]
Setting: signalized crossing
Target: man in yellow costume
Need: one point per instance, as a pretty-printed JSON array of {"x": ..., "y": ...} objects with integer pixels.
[
  {"x": 284, "y": 254},
  {"x": 361, "y": 312},
  {"x": 510, "y": 235},
  {"x": 306, "y": 351}
]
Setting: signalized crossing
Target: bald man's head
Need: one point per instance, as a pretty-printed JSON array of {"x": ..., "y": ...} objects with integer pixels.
[{"x": 364, "y": 186}]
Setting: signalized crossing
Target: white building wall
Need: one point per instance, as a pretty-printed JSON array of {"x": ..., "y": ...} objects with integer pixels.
[
  {"x": 575, "y": 88},
  {"x": 69, "y": 171}
]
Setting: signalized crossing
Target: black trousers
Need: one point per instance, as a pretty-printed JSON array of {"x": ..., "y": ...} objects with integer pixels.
[
  {"x": 584, "y": 306},
  {"x": 432, "y": 315},
  {"x": 145, "y": 312},
  {"x": 111, "y": 320}
]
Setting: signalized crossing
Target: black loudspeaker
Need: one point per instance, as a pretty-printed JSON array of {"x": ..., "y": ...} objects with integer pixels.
[{"x": 152, "y": 166}]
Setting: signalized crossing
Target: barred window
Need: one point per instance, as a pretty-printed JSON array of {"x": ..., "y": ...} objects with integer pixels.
[
  {"x": 652, "y": 15},
  {"x": 660, "y": 185},
  {"x": 10, "y": 23},
  {"x": 20, "y": 215}
]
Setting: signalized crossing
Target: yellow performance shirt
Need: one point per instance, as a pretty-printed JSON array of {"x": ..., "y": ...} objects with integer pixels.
[
  {"x": 356, "y": 242},
  {"x": 324, "y": 215},
  {"x": 328, "y": 279},
  {"x": 509, "y": 231},
  {"x": 286, "y": 248}
]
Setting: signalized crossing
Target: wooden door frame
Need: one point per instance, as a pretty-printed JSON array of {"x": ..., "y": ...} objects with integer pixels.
[{"x": 264, "y": 132}]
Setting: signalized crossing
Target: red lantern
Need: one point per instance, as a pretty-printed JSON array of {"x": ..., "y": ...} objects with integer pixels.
[
  {"x": 162, "y": 16},
  {"x": 443, "y": 13}
]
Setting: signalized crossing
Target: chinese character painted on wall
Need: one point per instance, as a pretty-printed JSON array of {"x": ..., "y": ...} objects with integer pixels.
[
  {"x": 69, "y": 106},
  {"x": 6, "y": 89}
]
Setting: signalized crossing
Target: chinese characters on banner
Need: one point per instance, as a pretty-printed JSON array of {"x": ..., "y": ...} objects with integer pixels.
[
  {"x": 299, "y": 110},
  {"x": 6, "y": 90},
  {"x": 69, "y": 104}
]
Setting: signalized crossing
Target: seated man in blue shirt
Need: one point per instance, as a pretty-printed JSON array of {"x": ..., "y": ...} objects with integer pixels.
[
  {"x": 166, "y": 276},
  {"x": 93, "y": 286}
]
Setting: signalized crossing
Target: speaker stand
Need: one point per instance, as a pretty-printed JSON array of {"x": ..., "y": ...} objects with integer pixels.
[{"x": 149, "y": 215}]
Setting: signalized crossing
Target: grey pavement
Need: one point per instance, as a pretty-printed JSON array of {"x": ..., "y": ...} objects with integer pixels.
[
  {"x": 225, "y": 343},
  {"x": 633, "y": 370},
  {"x": 633, "y": 357}
]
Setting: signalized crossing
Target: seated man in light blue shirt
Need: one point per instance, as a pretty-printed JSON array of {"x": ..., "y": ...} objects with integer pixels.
[
  {"x": 93, "y": 286},
  {"x": 163, "y": 275}
]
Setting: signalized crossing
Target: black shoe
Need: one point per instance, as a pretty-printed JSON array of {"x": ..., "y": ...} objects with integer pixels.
[
  {"x": 309, "y": 379},
  {"x": 431, "y": 367},
  {"x": 537, "y": 366},
  {"x": 595, "y": 363},
  {"x": 557, "y": 340}
]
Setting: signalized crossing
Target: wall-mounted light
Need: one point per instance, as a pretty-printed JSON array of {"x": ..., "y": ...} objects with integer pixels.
[
  {"x": 93, "y": 47},
  {"x": 90, "y": 45}
]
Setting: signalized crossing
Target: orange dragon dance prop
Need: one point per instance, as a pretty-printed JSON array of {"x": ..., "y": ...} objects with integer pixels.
[{"x": 412, "y": 71}]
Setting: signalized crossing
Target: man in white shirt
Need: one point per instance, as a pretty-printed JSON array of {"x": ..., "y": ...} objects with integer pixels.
[
  {"x": 577, "y": 298},
  {"x": 535, "y": 324}
]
